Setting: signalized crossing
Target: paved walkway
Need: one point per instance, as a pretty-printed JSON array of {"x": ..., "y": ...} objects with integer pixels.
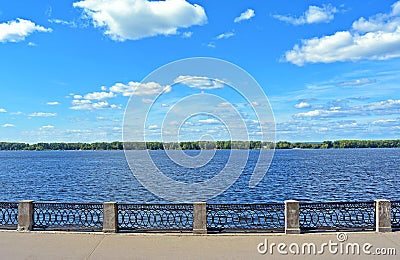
[{"x": 69, "y": 245}]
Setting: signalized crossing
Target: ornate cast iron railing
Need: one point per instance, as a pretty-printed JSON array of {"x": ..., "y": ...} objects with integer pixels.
[
  {"x": 337, "y": 216},
  {"x": 8, "y": 215},
  {"x": 395, "y": 205},
  {"x": 68, "y": 216},
  {"x": 155, "y": 217},
  {"x": 246, "y": 217}
]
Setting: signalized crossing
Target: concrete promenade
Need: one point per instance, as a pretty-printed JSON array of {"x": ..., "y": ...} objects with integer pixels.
[{"x": 74, "y": 245}]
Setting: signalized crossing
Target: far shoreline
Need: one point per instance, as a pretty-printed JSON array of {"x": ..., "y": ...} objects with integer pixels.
[{"x": 198, "y": 145}]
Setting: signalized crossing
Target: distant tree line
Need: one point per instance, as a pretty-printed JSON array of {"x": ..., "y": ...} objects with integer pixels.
[
  {"x": 340, "y": 144},
  {"x": 62, "y": 146},
  {"x": 197, "y": 145}
]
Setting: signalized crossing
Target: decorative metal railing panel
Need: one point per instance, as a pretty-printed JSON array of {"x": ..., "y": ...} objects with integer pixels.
[
  {"x": 337, "y": 216},
  {"x": 245, "y": 217},
  {"x": 8, "y": 215},
  {"x": 155, "y": 217},
  {"x": 68, "y": 216},
  {"x": 395, "y": 205}
]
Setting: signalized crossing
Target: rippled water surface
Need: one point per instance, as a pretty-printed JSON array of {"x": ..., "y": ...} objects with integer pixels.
[{"x": 305, "y": 175}]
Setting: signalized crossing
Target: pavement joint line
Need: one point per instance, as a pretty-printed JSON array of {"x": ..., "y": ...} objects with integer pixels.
[{"x": 97, "y": 246}]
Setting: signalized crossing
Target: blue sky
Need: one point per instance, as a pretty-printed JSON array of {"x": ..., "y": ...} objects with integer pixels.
[{"x": 329, "y": 68}]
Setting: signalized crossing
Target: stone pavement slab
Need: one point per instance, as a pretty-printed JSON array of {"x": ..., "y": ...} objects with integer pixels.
[{"x": 76, "y": 245}]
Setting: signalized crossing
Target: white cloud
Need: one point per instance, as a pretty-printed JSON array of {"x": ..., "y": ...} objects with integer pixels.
[
  {"x": 32, "y": 44},
  {"x": 199, "y": 82},
  {"x": 77, "y": 97},
  {"x": 314, "y": 14},
  {"x": 302, "y": 105},
  {"x": 63, "y": 22},
  {"x": 225, "y": 35},
  {"x": 384, "y": 107},
  {"x": 42, "y": 114},
  {"x": 103, "y": 88},
  {"x": 385, "y": 122},
  {"x": 2, "y": 110},
  {"x": 224, "y": 104},
  {"x": 136, "y": 19},
  {"x": 246, "y": 15},
  {"x": 85, "y": 104},
  {"x": 8, "y": 125},
  {"x": 77, "y": 131},
  {"x": 356, "y": 82},
  {"x": 209, "y": 121},
  {"x": 187, "y": 34},
  {"x": 164, "y": 105},
  {"x": 101, "y": 104},
  {"x": 152, "y": 127},
  {"x": 47, "y": 127},
  {"x": 99, "y": 95},
  {"x": 53, "y": 103},
  {"x": 19, "y": 29},
  {"x": 139, "y": 89},
  {"x": 376, "y": 38},
  {"x": 211, "y": 45}
]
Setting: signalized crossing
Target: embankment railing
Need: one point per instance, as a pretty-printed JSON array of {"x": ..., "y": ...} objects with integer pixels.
[
  {"x": 291, "y": 217},
  {"x": 338, "y": 216},
  {"x": 246, "y": 217}
]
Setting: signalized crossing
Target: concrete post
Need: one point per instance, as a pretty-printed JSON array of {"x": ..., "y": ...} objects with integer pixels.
[
  {"x": 110, "y": 217},
  {"x": 199, "y": 218},
  {"x": 382, "y": 216},
  {"x": 25, "y": 215},
  {"x": 292, "y": 216}
]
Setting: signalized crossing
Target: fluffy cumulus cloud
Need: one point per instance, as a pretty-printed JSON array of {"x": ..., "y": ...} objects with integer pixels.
[
  {"x": 139, "y": 89},
  {"x": 96, "y": 100},
  {"x": 2, "y": 110},
  {"x": 302, "y": 105},
  {"x": 199, "y": 82},
  {"x": 8, "y": 125},
  {"x": 246, "y": 15},
  {"x": 19, "y": 29},
  {"x": 89, "y": 105},
  {"x": 384, "y": 107},
  {"x": 99, "y": 95},
  {"x": 86, "y": 104},
  {"x": 314, "y": 14},
  {"x": 375, "y": 38},
  {"x": 136, "y": 19}
]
